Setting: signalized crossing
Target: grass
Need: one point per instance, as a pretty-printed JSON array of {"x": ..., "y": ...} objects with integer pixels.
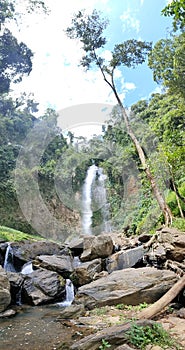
[{"x": 10, "y": 235}]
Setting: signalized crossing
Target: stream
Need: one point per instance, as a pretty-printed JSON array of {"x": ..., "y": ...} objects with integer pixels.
[{"x": 34, "y": 328}]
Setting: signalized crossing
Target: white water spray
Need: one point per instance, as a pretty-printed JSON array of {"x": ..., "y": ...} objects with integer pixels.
[{"x": 69, "y": 294}]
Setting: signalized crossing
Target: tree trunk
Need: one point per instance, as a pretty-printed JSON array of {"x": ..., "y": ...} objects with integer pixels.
[
  {"x": 158, "y": 195},
  {"x": 157, "y": 307}
]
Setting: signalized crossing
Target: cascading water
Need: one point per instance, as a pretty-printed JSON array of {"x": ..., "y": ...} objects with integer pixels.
[
  {"x": 69, "y": 294},
  {"x": 87, "y": 199},
  {"x": 94, "y": 195},
  {"x": 8, "y": 261}
]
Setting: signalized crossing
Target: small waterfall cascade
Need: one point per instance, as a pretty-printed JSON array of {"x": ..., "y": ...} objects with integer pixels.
[
  {"x": 27, "y": 268},
  {"x": 8, "y": 261},
  {"x": 94, "y": 195},
  {"x": 69, "y": 294}
]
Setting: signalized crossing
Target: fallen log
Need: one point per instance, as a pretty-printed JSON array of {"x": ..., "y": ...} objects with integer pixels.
[
  {"x": 159, "y": 305},
  {"x": 115, "y": 335}
]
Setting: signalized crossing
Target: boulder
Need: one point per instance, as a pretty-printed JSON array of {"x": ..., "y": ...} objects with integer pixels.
[
  {"x": 173, "y": 242},
  {"x": 86, "y": 271},
  {"x": 124, "y": 259},
  {"x": 59, "y": 263},
  {"x": 129, "y": 286},
  {"x": 76, "y": 245},
  {"x": 97, "y": 247},
  {"x": 5, "y": 296},
  {"x": 16, "y": 282},
  {"x": 28, "y": 250},
  {"x": 43, "y": 286}
]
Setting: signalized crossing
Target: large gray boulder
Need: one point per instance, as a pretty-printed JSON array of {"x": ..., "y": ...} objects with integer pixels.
[
  {"x": 43, "y": 286},
  {"x": 59, "y": 263},
  {"x": 5, "y": 297},
  {"x": 85, "y": 272},
  {"x": 124, "y": 259},
  {"x": 97, "y": 247},
  {"x": 28, "y": 250},
  {"x": 129, "y": 286}
]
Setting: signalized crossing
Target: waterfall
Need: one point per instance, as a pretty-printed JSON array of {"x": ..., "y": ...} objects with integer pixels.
[
  {"x": 87, "y": 199},
  {"x": 8, "y": 261},
  {"x": 101, "y": 198},
  {"x": 69, "y": 294},
  {"x": 94, "y": 195}
]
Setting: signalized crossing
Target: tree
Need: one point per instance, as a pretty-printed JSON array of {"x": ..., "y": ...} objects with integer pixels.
[
  {"x": 176, "y": 9},
  {"x": 89, "y": 30},
  {"x": 8, "y": 9},
  {"x": 15, "y": 60},
  {"x": 168, "y": 63}
]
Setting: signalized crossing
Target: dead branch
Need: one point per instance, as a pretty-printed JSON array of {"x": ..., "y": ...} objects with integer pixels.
[{"x": 157, "y": 307}]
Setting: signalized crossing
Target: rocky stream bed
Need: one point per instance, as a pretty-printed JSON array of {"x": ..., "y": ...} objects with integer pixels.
[{"x": 108, "y": 272}]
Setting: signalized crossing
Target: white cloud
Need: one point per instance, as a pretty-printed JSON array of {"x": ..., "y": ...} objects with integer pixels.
[
  {"x": 130, "y": 22},
  {"x": 56, "y": 79},
  {"x": 141, "y": 2}
]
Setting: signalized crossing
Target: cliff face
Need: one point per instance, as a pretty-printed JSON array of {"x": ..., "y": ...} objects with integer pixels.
[{"x": 60, "y": 221}]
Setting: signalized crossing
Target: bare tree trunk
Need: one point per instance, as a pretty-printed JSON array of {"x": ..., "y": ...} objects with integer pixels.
[{"x": 157, "y": 307}]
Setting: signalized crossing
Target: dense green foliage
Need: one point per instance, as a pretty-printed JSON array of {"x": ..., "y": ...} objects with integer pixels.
[{"x": 141, "y": 336}]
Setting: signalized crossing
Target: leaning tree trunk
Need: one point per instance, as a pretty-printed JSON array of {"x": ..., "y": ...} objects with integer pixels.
[{"x": 157, "y": 193}]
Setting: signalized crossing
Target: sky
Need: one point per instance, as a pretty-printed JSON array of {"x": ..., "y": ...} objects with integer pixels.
[{"x": 58, "y": 81}]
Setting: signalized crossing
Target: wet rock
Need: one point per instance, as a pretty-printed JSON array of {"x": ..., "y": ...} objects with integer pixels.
[
  {"x": 85, "y": 273},
  {"x": 124, "y": 259},
  {"x": 59, "y": 263},
  {"x": 97, "y": 247},
  {"x": 43, "y": 286},
  {"x": 5, "y": 296},
  {"x": 16, "y": 281},
  {"x": 7, "y": 313},
  {"x": 28, "y": 250},
  {"x": 129, "y": 286},
  {"x": 71, "y": 311}
]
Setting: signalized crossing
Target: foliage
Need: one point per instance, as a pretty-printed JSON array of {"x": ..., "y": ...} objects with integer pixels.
[
  {"x": 15, "y": 60},
  {"x": 131, "y": 307},
  {"x": 176, "y": 9},
  {"x": 11, "y": 235},
  {"x": 105, "y": 345},
  {"x": 141, "y": 336},
  {"x": 168, "y": 64}
]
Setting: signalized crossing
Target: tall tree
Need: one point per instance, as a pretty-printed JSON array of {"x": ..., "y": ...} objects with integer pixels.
[{"x": 89, "y": 30}]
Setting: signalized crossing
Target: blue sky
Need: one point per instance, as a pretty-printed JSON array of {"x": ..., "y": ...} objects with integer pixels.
[{"x": 57, "y": 81}]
